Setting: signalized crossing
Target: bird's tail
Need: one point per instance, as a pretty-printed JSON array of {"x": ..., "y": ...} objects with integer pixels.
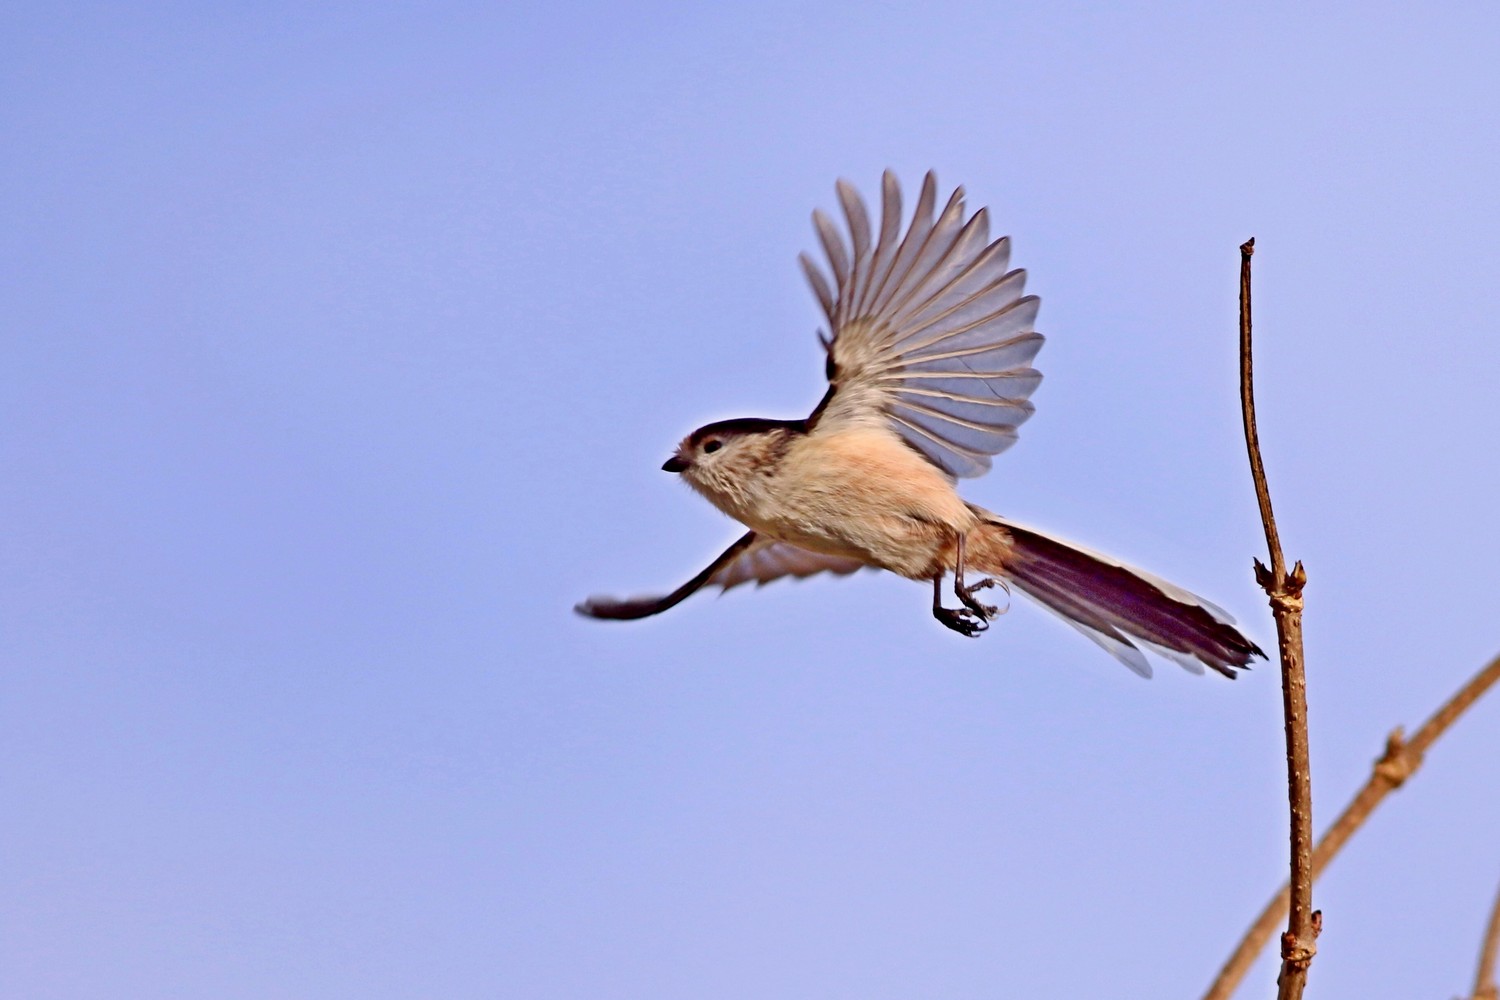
[{"x": 1111, "y": 603}]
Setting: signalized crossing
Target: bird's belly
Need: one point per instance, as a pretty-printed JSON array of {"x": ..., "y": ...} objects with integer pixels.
[
  {"x": 861, "y": 494},
  {"x": 878, "y": 533}
]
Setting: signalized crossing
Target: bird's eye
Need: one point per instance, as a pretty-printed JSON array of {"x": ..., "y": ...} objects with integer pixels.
[{"x": 712, "y": 445}]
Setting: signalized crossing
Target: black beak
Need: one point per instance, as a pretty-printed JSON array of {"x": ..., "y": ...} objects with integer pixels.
[{"x": 673, "y": 464}]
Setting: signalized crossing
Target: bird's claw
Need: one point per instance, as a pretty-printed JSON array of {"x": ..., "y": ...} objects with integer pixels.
[
  {"x": 966, "y": 594},
  {"x": 962, "y": 620}
]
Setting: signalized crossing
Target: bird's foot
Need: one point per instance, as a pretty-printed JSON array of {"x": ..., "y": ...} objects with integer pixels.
[
  {"x": 966, "y": 594},
  {"x": 962, "y": 620}
]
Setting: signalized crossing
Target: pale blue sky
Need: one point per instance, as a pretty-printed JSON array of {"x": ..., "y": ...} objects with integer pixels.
[{"x": 342, "y": 350}]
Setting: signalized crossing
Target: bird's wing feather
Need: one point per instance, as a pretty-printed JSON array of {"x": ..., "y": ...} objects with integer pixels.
[
  {"x": 931, "y": 333},
  {"x": 751, "y": 558}
]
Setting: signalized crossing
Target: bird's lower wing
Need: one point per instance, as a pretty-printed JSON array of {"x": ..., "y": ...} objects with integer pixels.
[{"x": 750, "y": 559}]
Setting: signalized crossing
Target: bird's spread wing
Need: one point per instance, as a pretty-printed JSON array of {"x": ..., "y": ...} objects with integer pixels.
[
  {"x": 766, "y": 561},
  {"x": 930, "y": 331},
  {"x": 750, "y": 558}
]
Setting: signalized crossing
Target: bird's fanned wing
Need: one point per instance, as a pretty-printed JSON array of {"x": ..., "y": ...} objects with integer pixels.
[
  {"x": 767, "y": 561},
  {"x": 931, "y": 333},
  {"x": 751, "y": 558}
]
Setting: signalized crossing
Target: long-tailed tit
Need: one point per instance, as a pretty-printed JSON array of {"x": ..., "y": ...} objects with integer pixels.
[{"x": 929, "y": 373}]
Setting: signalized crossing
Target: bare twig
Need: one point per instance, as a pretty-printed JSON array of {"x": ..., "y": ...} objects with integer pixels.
[
  {"x": 1400, "y": 761},
  {"x": 1298, "y": 944},
  {"x": 1247, "y": 408},
  {"x": 1484, "y": 979}
]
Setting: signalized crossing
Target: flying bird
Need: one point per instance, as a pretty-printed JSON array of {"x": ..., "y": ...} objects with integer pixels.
[{"x": 929, "y": 349}]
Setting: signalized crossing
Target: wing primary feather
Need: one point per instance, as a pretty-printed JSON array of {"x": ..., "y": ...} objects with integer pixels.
[
  {"x": 642, "y": 607},
  {"x": 911, "y": 244},
  {"x": 995, "y": 401},
  {"x": 819, "y": 284},
  {"x": 767, "y": 561},
  {"x": 911, "y": 319},
  {"x": 978, "y": 376},
  {"x": 961, "y": 316},
  {"x": 890, "y": 231},
  {"x": 964, "y": 422},
  {"x": 859, "y": 234},
  {"x": 983, "y": 215},
  {"x": 1030, "y": 340},
  {"x": 947, "y": 239},
  {"x": 916, "y": 267},
  {"x": 858, "y": 217},
  {"x": 1021, "y": 307},
  {"x": 838, "y": 259}
]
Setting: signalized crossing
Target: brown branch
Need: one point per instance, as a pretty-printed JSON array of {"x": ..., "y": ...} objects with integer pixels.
[
  {"x": 1400, "y": 761},
  {"x": 1299, "y": 943},
  {"x": 1484, "y": 979},
  {"x": 1247, "y": 408}
]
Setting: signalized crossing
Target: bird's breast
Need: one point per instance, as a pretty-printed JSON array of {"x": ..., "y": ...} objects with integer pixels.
[{"x": 864, "y": 495}]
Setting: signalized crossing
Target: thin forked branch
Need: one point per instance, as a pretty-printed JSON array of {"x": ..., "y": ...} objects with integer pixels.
[
  {"x": 1400, "y": 761},
  {"x": 1298, "y": 944}
]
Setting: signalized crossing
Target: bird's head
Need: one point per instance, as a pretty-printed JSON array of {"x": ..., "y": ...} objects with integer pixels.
[{"x": 726, "y": 460}]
